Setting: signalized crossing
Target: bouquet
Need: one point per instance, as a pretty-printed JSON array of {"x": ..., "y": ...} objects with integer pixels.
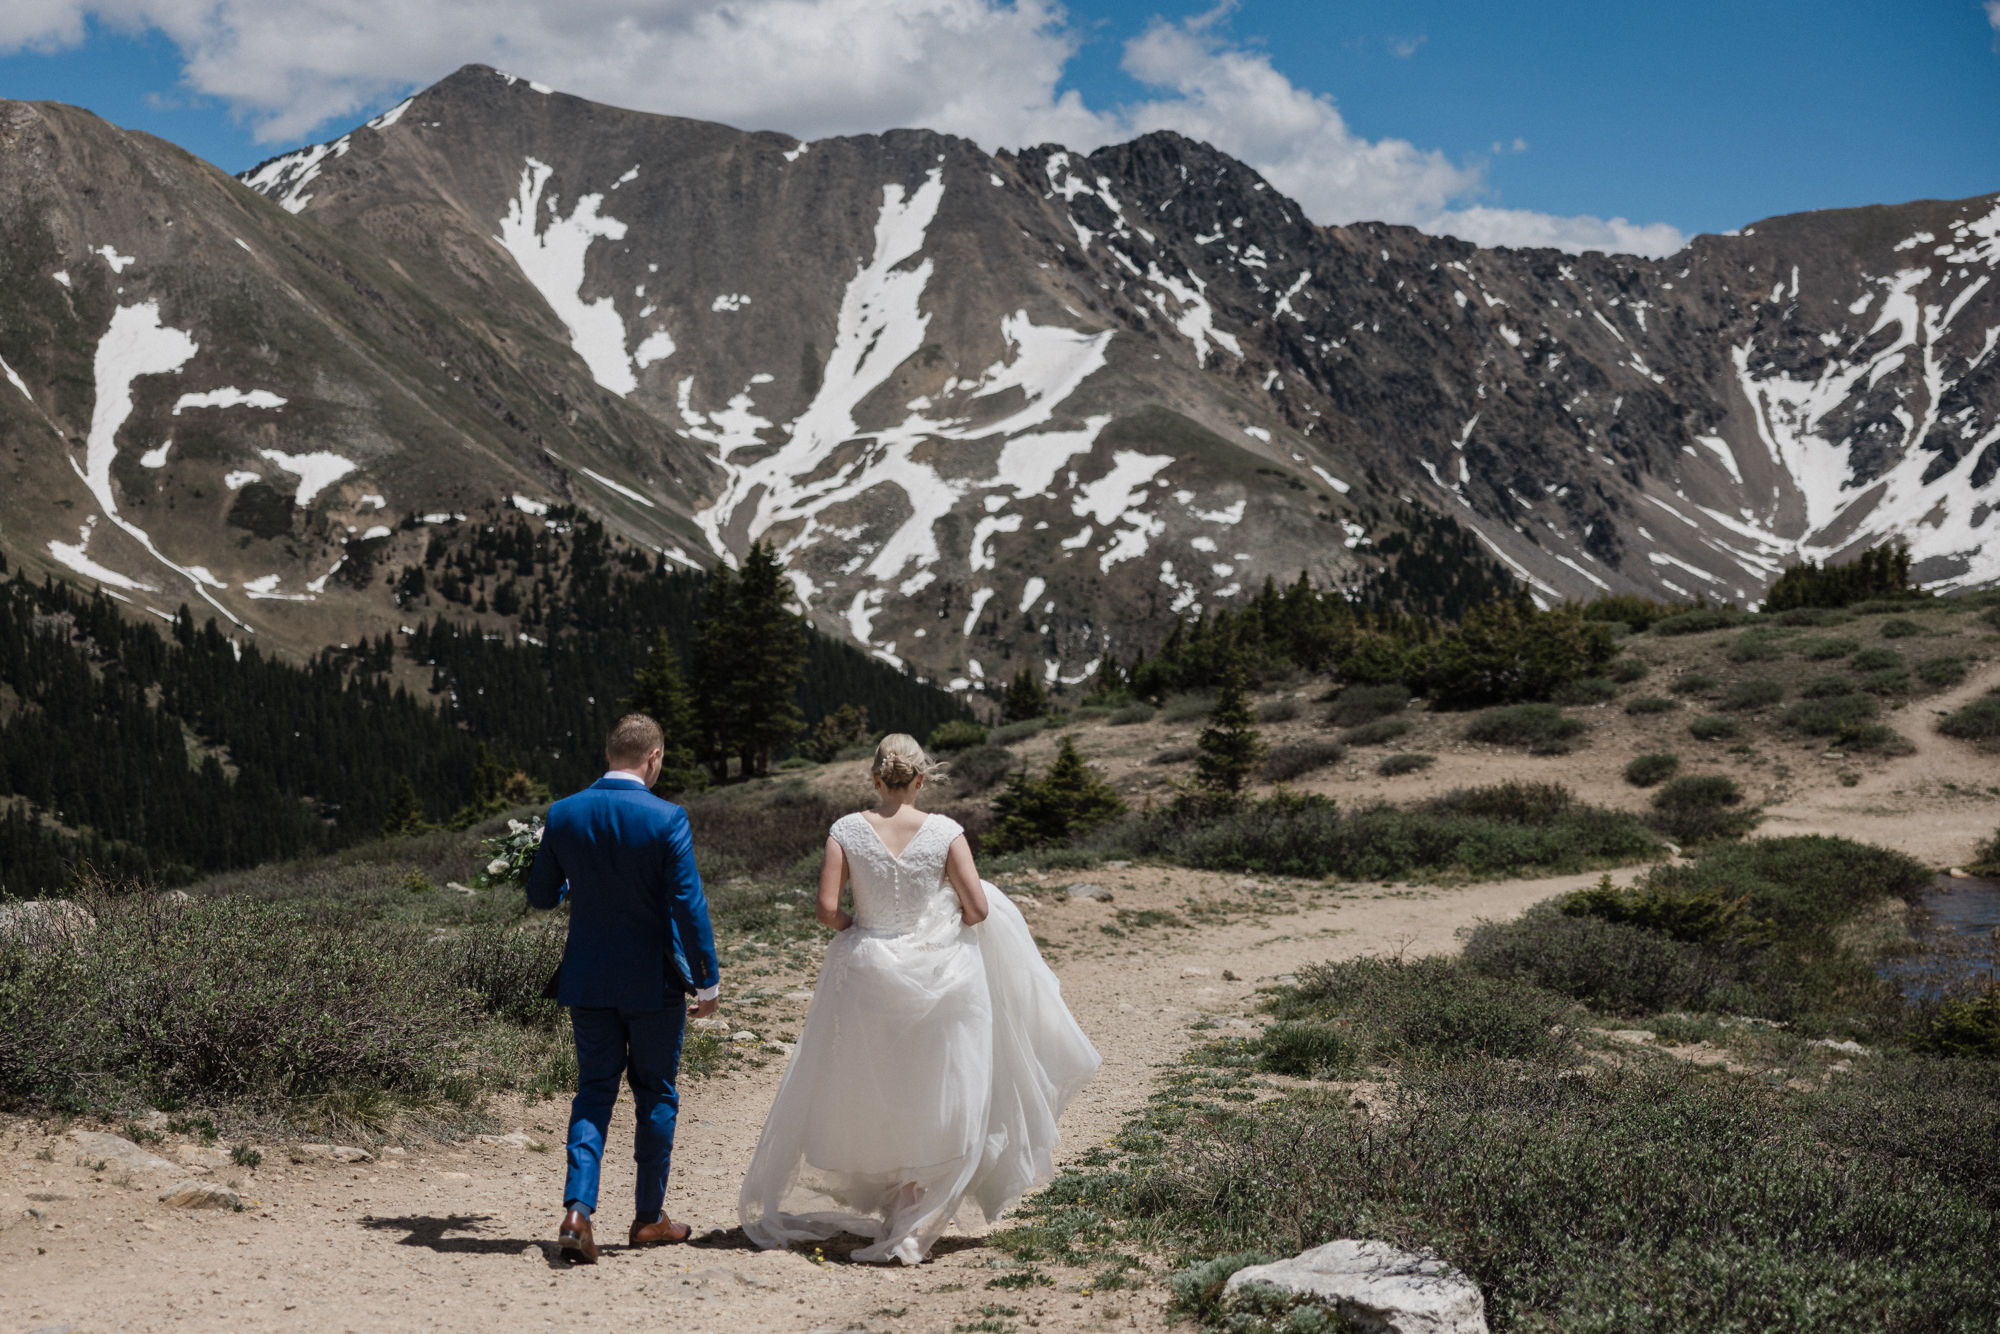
[{"x": 513, "y": 853}]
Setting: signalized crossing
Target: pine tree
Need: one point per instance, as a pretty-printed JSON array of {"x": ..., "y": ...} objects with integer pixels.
[
  {"x": 715, "y": 664},
  {"x": 659, "y": 691},
  {"x": 1230, "y": 746},
  {"x": 406, "y": 813},
  {"x": 1024, "y": 699},
  {"x": 1067, "y": 801},
  {"x": 770, "y": 653}
]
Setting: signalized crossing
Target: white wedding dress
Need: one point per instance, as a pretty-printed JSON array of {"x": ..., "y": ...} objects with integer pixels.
[{"x": 930, "y": 1072}]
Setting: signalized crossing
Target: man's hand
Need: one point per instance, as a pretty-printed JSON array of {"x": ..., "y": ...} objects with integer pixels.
[{"x": 703, "y": 1009}]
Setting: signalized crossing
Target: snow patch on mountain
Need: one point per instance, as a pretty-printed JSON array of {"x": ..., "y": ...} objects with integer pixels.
[
  {"x": 228, "y": 397},
  {"x": 316, "y": 471},
  {"x": 552, "y": 258}
]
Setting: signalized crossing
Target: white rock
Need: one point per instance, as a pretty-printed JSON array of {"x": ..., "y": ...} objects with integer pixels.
[
  {"x": 1194, "y": 972},
  {"x": 114, "y": 1150},
  {"x": 200, "y": 1195},
  {"x": 1838, "y": 1044},
  {"x": 712, "y": 1024},
  {"x": 744, "y": 1036},
  {"x": 518, "y": 1139},
  {"x": 1381, "y": 1289},
  {"x": 202, "y": 1155},
  {"x": 1083, "y": 889},
  {"x": 333, "y": 1153}
]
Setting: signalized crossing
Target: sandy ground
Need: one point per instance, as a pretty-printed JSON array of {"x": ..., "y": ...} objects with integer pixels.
[{"x": 459, "y": 1237}]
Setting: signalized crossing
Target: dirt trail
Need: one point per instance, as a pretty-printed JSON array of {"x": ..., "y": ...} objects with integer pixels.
[
  {"x": 455, "y": 1238},
  {"x": 451, "y": 1238},
  {"x": 1936, "y": 803}
]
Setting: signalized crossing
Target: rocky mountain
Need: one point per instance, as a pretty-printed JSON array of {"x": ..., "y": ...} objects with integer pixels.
[{"x": 992, "y": 408}]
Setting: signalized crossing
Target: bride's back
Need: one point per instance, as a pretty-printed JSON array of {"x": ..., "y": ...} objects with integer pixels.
[{"x": 896, "y": 891}]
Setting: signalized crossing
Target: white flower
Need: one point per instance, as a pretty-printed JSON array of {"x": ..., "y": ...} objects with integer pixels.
[
  {"x": 516, "y": 827},
  {"x": 539, "y": 831},
  {"x": 497, "y": 866}
]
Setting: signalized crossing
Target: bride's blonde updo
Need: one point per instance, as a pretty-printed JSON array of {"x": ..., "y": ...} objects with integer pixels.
[{"x": 900, "y": 761}]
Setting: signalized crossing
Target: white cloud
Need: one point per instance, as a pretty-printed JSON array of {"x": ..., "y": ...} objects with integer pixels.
[
  {"x": 986, "y": 69},
  {"x": 1993, "y": 14}
]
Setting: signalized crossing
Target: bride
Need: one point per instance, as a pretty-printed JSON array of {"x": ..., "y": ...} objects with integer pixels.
[{"x": 937, "y": 1054}]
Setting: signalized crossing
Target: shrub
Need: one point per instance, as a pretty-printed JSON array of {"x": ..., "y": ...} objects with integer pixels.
[
  {"x": 1132, "y": 713},
  {"x": 1977, "y": 721},
  {"x": 1748, "y": 695},
  {"x": 1307, "y": 1048},
  {"x": 1714, "y": 727},
  {"x": 1518, "y": 802},
  {"x": 1409, "y": 762},
  {"x": 1175, "y": 755},
  {"x": 1288, "y": 762},
  {"x": 506, "y": 968},
  {"x": 1875, "y": 660},
  {"x": 957, "y": 734},
  {"x": 1652, "y": 770},
  {"x": 1185, "y": 708},
  {"x": 1584, "y": 690},
  {"x": 1016, "y": 732},
  {"x": 1066, "y": 801},
  {"x": 1755, "y": 646},
  {"x": 1872, "y": 574},
  {"x": 1838, "y": 716},
  {"x": 1504, "y": 652},
  {"x": 1711, "y": 915},
  {"x": 1364, "y": 704},
  {"x": 1630, "y": 609},
  {"x": 1828, "y": 685},
  {"x": 1380, "y": 732},
  {"x": 1277, "y": 710},
  {"x": 1606, "y": 965},
  {"x": 1695, "y": 808},
  {"x": 1697, "y": 621},
  {"x": 1900, "y": 627},
  {"x": 1693, "y": 683},
  {"x": 1800, "y": 882},
  {"x": 977, "y": 770},
  {"x": 1542, "y": 728},
  {"x": 1826, "y": 650},
  {"x": 1430, "y": 1007},
  {"x": 1942, "y": 672},
  {"x": 1966, "y": 1028},
  {"x": 1641, "y": 705},
  {"x": 1891, "y": 681},
  {"x": 1625, "y": 671},
  {"x": 1819, "y": 616}
]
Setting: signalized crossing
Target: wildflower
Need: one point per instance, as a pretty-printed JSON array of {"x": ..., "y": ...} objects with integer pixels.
[{"x": 498, "y": 866}]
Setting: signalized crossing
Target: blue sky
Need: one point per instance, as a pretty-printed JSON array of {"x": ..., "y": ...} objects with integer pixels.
[{"x": 1503, "y": 122}]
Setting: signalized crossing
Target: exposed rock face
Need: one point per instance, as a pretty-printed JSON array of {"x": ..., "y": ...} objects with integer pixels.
[
  {"x": 117, "y": 1151},
  {"x": 990, "y": 406},
  {"x": 1380, "y": 1289},
  {"x": 200, "y": 1195}
]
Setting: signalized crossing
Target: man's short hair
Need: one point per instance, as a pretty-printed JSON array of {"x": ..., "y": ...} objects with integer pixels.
[{"x": 632, "y": 739}]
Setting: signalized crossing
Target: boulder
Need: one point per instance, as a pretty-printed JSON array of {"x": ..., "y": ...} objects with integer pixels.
[
  {"x": 199, "y": 1195},
  {"x": 1083, "y": 889},
  {"x": 1380, "y": 1289},
  {"x": 43, "y": 922},
  {"x": 116, "y": 1151},
  {"x": 332, "y": 1153}
]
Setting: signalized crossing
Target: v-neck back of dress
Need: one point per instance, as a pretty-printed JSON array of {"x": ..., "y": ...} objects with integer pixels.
[{"x": 897, "y": 891}]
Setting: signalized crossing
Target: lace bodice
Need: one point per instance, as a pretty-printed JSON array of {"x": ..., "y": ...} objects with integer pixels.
[{"x": 897, "y": 893}]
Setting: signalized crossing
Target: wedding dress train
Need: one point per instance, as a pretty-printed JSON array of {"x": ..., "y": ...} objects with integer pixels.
[{"x": 930, "y": 1072}]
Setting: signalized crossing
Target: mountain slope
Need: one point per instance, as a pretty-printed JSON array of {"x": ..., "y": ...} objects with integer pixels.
[{"x": 1013, "y": 407}]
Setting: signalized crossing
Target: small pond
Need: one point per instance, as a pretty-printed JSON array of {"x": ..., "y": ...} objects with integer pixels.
[{"x": 1960, "y": 940}]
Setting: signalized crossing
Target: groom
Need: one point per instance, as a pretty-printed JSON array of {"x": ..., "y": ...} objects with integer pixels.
[{"x": 639, "y": 941}]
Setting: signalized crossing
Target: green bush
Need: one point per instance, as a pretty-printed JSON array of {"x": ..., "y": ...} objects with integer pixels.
[
  {"x": 1067, "y": 801},
  {"x": 1838, "y": 716},
  {"x": 1966, "y": 1028},
  {"x": 1630, "y": 609},
  {"x": 1408, "y": 762},
  {"x": 1307, "y": 1048},
  {"x": 1651, "y": 770},
  {"x": 1518, "y": 802},
  {"x": 1800, "y": 882},
  {"x": 1542, "y": 728},
  {"x": 1745, "y": 696},
  {"x": 1132, "y": 713},
  {"x": 1606, "y": 965},
  {"x": 1365, "y": 703},
  {"x": 1890, "y": 681},
  {"x": 1287, "y": 762},
  {"x": 1296, "y": 834},
  {"x": 977, "y": 770},
  {"x": 1977, "y": 721},
  {"x": 1625, "y": 671},
  {"x": 1584, "y": 690},
  {"x": 1710, "y": 915},
  {"x": 1698, "y": 621},
  {"x": 506, "y": 968},
  {"x": 1875, "y": 660},
  {"x": 1435, "y": 1007},
  {"x": 1185, "y": 708},
  {"x": 1641, "y": 705},
  {"x": 1378, "y": 733},
  {"x": 1696, "y": 808},
  {"x": 1277, "y": 710},
  {"x": 1941, "y": 672},
  {"x": 1693, "y": 683},
  {"x": 1175, "y": 755},
  {"x": 1755, "y": 646},
  {"x": 1714, "y": 727},
  {"x": 1507, "y": 652},
  {"x": 1876, "y": 574},
  {"x": 1900, "y": 627},
  {"x": 1816, "y": 616},
  {"x": 1826, "y": 650},
  {"x": 1013, "y": 733},
  {"x": 957, "y": 734},
  {"x": 1828, "y": 685}
]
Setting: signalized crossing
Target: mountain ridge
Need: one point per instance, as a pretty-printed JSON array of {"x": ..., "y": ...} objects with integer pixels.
[{"x": 1031, "y": 405}]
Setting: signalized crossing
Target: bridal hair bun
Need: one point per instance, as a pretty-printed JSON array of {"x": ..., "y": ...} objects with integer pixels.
[{"x": 900, "y": 761}]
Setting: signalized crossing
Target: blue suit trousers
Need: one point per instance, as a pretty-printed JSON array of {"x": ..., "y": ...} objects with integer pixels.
[{"x": 609, "y": 1042}]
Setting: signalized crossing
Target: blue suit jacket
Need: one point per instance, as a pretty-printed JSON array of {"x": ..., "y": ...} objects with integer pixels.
[{"x": 638, "y": 920}]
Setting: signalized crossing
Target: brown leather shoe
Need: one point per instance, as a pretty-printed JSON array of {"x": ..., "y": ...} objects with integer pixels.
[
  {"x": 575, "y": 1240},
  {"x": 663, "y": 1233}
]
